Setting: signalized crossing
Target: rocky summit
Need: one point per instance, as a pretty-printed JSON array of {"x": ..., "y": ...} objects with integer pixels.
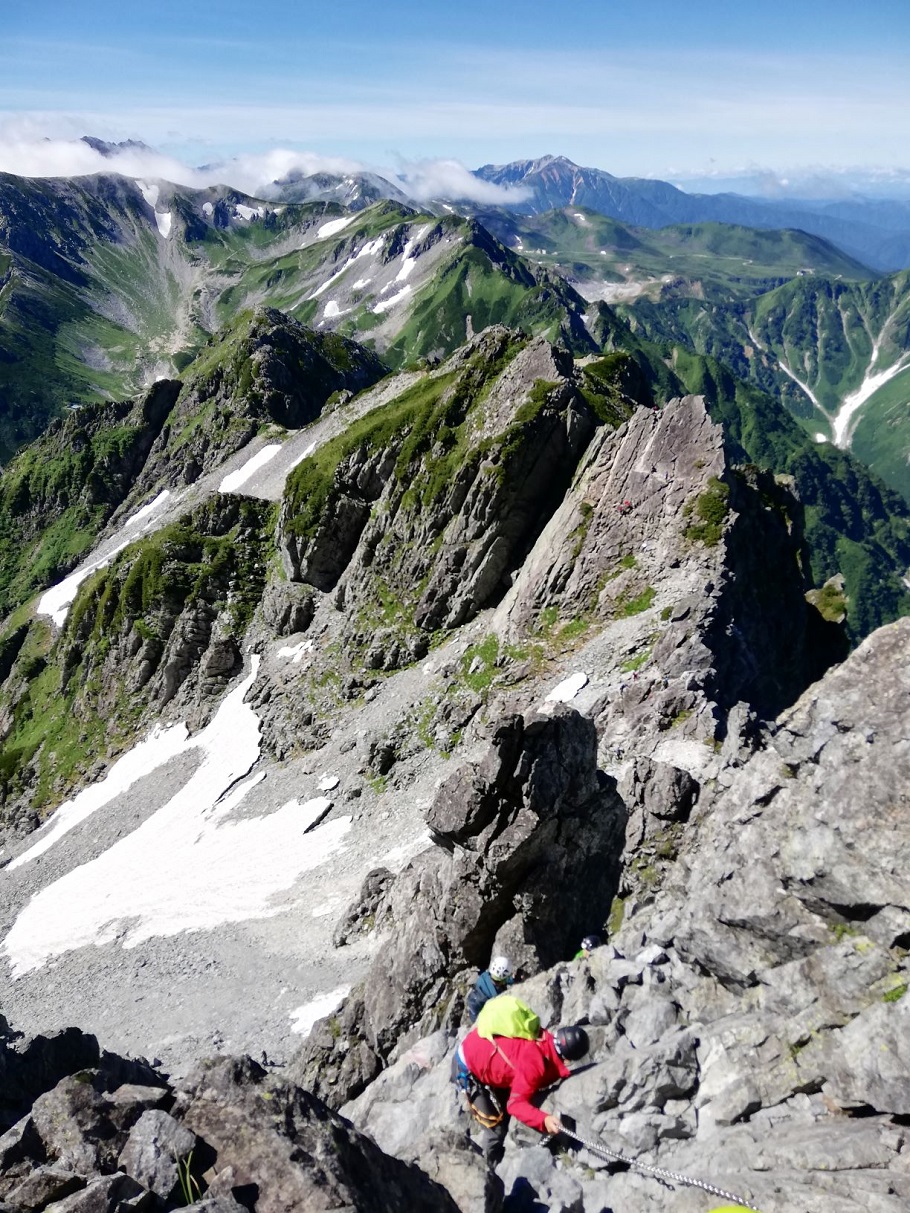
[{"x": 321, "y": 684}]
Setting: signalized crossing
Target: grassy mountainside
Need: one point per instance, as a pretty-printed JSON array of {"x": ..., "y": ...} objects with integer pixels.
[
  {"x": 107, "y": 284},
  {"x": 836, "y": 353},
  {"x": 95, "y": 299},
  {"x": 178, "y": 598},
  {"x": 58, "y": 493},
  {"x": 723, "y": 260}
]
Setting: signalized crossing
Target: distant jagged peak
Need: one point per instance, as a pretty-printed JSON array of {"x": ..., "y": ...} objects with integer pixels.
[
  {"x": 548, "y": 166},
  {"x": 115, "y": 149}
]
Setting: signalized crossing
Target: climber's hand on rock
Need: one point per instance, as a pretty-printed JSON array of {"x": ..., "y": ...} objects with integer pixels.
[{"x": 552, "y": 1125}]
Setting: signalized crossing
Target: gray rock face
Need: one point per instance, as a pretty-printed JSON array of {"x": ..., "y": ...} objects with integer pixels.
[
  {"x": 533, "y": 805},
  {"x": 272, "y": 369},
  {"x": 94, "y": 1142},
  {"x": 286, "y": 1150},
  {"x": 153, "y": 1150},
  {"x": 411, "y": 539},
  {"x": 749, "y": 1022}
]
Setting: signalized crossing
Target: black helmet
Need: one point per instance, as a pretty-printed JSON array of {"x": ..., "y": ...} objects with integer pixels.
[
  {"x": 571, "y": 1043},
  {"x": 590, "y": 942}
]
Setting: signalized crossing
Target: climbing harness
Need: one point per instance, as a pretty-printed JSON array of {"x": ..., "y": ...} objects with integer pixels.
[
  {"x": 659, "y": 1172},
  {"x": 486, "y": 1120},
  {"x": 472, "y": 1088}
]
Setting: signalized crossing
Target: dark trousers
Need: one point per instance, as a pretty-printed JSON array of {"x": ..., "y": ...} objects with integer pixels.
[{"x": 489, "y": 1102}]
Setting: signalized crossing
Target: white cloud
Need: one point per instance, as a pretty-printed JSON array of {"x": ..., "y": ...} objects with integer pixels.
[
  {"x": 817, "y": 182},
  {"x": 428, "y": 179},
  {"x": 26, "y": 151}
]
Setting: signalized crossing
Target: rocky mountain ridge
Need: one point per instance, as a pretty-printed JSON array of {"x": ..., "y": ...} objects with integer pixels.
[
  {"x": 110, "y": 283},
  {"x": 486, "y": 656}
]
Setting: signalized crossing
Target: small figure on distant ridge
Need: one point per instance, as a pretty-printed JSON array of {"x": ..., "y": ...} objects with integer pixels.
[
  {"x": 491, "y": 983},
  {"x": 588, "y": 944}
]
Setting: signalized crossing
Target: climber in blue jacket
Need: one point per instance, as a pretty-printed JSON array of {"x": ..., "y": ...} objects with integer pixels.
[{"x": 494, "y": 980}]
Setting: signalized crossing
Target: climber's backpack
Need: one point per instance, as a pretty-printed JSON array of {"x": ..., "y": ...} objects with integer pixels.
[{"x": 506, "y": 1015}]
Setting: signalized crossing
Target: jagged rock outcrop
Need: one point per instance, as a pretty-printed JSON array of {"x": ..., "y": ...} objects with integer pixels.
[
  {"x": 90, "y": 1131},
  {"x": 658, "y": 513},
  {"x": 532, "y": 817},
  {"x": 748, "y": 1024},
  {"x": 419, "y": 519},
  {"x": 266, "y": 369}
]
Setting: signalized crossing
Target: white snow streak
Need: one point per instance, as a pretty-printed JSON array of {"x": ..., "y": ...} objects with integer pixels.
[
  {"x": 149, "y": 192},
  {"x": 332, "y": 310},
  {"x": 334, "y": 226},
  {"x": 370, "y": 249},
  {"x": 850, "y": 405},
  {"x": 208, "y": 869},
  {"x": 207, "y": 209},
  {"x": 384, "y": 306},
  {"x": 568, "y": 688},
  {"x": 150, "y": 508},
  {"x": 303, "y": 1018},
  {"x": 57, "y": 601},
  {"x": 300, "y": 458},
  {"x": 248, "y": 212},
  {"x": 805, "y": 387},
  {"x": 334, "y": 278},
  {"x": 159, "y": 747},
  {"x": 296, "y": 651},
  {"x": 234, "y": 480},
  {"x": 164, "y": 223}
]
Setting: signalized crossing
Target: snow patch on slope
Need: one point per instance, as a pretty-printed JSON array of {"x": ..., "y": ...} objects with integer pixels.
[
  {"x": 303, "y": 1018},
  {"x": 159, "y": 747},
  {"x": 850, "y": 406},
  {"x": 209, "y": 869},
  {"x": 386, "y": 304},
  {"x": 370, "y": 249},
  {"x": 164, "y": 223},
  {"x": 334, "y": 226},
  {"x": 233, "y": 480},
  {"x": 57, "y": 601},
  {"x": 151, "y": 508},
  {"x": 149, "y": 192}
]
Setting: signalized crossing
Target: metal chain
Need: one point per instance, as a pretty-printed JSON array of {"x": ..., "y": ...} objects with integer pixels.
[{"x": 660, "y": 1172}]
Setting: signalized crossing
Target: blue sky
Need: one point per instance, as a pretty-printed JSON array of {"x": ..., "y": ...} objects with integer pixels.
[{"x": 667, "y": 88}]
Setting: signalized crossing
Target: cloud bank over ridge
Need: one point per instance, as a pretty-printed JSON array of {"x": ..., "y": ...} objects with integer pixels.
[{"x": 25, "y": 152}]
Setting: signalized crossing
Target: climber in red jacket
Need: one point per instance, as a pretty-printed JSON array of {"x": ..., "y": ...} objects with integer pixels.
[{"x": 507, "y": 1072}]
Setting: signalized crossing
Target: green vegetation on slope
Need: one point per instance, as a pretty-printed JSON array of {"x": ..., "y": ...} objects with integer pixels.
[
  {"x": 829, "y": 335},
  {"x": 723, "y": 260},
  {"x": 58, "y": 493},
  {"x": 80, "y": 696}
]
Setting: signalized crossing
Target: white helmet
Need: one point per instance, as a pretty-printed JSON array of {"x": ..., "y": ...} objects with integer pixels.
[{"x": 500, "y": 968}]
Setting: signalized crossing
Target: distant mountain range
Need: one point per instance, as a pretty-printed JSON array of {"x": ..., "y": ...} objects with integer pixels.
[{"x": 876, "y": 232}]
